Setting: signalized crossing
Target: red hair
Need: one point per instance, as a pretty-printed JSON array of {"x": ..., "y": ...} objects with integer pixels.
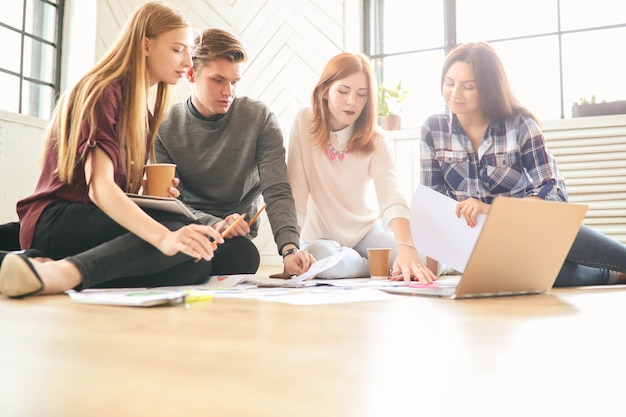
[{"x": 364, "y": 135}]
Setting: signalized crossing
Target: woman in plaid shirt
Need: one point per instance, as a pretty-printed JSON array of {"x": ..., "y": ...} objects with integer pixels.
[{"x": 486, "y": 144}]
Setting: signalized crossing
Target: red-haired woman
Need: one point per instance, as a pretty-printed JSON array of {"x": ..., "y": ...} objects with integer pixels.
[{"x": 335, "y": 155}]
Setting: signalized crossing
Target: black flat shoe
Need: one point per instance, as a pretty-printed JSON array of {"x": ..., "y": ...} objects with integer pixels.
[
  {"x": 31, "y": 253},
  {"x": 18, "y": 277}
]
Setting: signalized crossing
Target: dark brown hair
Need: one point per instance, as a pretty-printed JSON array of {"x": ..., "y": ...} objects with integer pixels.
[{"x": 494, "y": 90}]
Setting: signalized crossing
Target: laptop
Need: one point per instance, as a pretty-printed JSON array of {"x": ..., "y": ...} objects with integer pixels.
[{"x": 520, "y": 250}]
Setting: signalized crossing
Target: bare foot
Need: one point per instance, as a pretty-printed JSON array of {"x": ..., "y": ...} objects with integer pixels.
[
  {"x": 21, "y": 276},
  {"x": 57, "y": 276}
]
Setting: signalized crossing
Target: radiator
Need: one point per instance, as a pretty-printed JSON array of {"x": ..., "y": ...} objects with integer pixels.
[{"x": 591, "y": 155}]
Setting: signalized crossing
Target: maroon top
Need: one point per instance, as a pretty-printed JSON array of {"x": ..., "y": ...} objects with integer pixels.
[{"x": 51, "y": 189}]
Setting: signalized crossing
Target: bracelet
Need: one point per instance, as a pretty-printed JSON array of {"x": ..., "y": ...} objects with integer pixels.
[
  {"x": 290, "y": 252},
  {"x": 410, "y": 245}
]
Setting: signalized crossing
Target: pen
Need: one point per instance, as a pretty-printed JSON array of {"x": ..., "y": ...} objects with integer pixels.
[{"x": 256, "y": 216}]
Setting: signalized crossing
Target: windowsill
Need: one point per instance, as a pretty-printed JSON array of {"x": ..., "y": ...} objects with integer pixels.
[
  {"x": 582, "y": 122},
  {"x": 22, "y": 119},
  {"x": 552, "y": 124},
  {"x": 402, "y": 134}
]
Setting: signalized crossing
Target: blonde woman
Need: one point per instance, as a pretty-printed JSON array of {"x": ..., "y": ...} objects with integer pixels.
[{"x": 97, "y": 144}]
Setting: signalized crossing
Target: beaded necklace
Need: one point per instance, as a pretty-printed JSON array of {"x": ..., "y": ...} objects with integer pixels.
[{"x": 333, "y": 153}]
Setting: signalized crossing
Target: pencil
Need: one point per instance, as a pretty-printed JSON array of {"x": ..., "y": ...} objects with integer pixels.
[
  {"x": 231, "y": 227},
  {"x": 225, "y": 232},
  {"x": 256, "y": 216}
]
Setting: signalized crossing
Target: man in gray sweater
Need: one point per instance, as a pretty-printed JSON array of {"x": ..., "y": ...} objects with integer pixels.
[{"x": 229, "y": 150}]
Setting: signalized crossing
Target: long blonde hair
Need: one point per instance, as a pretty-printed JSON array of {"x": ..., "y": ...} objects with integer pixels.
[
  {"x": 125, "y": 61},
  {"x": 364, "y": 135}
]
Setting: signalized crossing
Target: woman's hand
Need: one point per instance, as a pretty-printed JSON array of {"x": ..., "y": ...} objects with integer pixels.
[
  {"x": 408, "y": 266},
  {"x": 469, "y": 210},
  {"x": 193, "y": 240}
]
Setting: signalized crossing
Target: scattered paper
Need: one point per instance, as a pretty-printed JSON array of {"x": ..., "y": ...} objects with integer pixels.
[
  {"x": 301, "y": 280},
  {"x": 227, "y": 281}
]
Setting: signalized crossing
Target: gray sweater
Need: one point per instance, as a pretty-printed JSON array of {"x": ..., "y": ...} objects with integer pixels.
[{"x": 224, "y": 165}]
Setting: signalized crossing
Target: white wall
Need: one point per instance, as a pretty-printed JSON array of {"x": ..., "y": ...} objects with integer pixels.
[
  {"x": 20, "y": 150},
  {"x": 79, "y": 40}
]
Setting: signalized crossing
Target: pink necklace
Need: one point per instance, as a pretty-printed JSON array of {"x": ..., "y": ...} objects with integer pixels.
[{"x": 333, "y": 153}]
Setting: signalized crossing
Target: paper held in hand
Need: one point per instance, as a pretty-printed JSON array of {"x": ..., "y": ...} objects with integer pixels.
[{"x": 438, "y": 233}]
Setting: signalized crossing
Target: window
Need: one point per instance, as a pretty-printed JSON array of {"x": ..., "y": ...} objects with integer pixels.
[
  {"x": 29, "y": 68},
  {"x": 555, "y": 52}
]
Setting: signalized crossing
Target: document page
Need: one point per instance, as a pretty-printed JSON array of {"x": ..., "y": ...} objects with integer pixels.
[{"x": 438, "y": 233}]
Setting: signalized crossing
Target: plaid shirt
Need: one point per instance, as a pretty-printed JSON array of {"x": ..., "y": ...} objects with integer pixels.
[{"x": 512, "y": 160}]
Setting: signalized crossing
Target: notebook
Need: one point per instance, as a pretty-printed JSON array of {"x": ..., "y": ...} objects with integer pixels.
[
  {"x": 131, "y": 297},
  {"x": 520, "y": 250}
]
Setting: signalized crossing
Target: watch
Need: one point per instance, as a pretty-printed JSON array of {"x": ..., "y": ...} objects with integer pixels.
[{"x": 290, "y": 252}]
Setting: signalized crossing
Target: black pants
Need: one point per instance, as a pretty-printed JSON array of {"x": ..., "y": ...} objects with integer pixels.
[
  {"x": 107, "y": 255},
  {"x": 10, "y": 236}
]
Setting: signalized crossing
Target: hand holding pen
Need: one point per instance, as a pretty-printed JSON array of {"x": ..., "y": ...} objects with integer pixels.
[
  {"x": 236, "y": 223},
  {"x": 240, "y": 228},
  {"x": 215, "y": 242}
]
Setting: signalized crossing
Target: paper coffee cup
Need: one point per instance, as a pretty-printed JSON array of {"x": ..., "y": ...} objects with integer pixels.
[
  {"x": 159, "y": 179},
  {"x": 379, "y": 262}
]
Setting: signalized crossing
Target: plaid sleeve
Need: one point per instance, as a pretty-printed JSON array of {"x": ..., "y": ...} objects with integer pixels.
[
  {"x": 430, "y": 171},
  {"x": 539, "y": 163}
]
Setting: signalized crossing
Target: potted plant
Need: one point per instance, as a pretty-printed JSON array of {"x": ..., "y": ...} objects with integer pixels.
[
  {"x": 388, "y": 105},
  {"x": 586, "y": 108}
]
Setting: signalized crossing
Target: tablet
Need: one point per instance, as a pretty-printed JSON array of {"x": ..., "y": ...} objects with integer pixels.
[{"x": 172, "y": 205}]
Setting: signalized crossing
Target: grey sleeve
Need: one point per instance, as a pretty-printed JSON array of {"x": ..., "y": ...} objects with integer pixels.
[
  {"x": 163, "y": 156},
  {"x": 275, "y": 187},
  {"x": 205, "y": 218}
]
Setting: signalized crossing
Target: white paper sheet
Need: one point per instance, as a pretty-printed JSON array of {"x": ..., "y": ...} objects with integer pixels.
[
  {"x": 302, "y": 280},
  {"x": 438, "y": 233},
  {"x": 309, "y": 295}
]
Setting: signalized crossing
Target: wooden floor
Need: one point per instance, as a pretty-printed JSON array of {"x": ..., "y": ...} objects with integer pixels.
[{"x": 557, "y": 354}]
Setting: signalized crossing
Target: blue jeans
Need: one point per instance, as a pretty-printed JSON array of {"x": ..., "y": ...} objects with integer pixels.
[
  {"x": 355, "y": 263},
  {"x": 107, "y": 255},
  {"x": 591, "y": 257}
]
